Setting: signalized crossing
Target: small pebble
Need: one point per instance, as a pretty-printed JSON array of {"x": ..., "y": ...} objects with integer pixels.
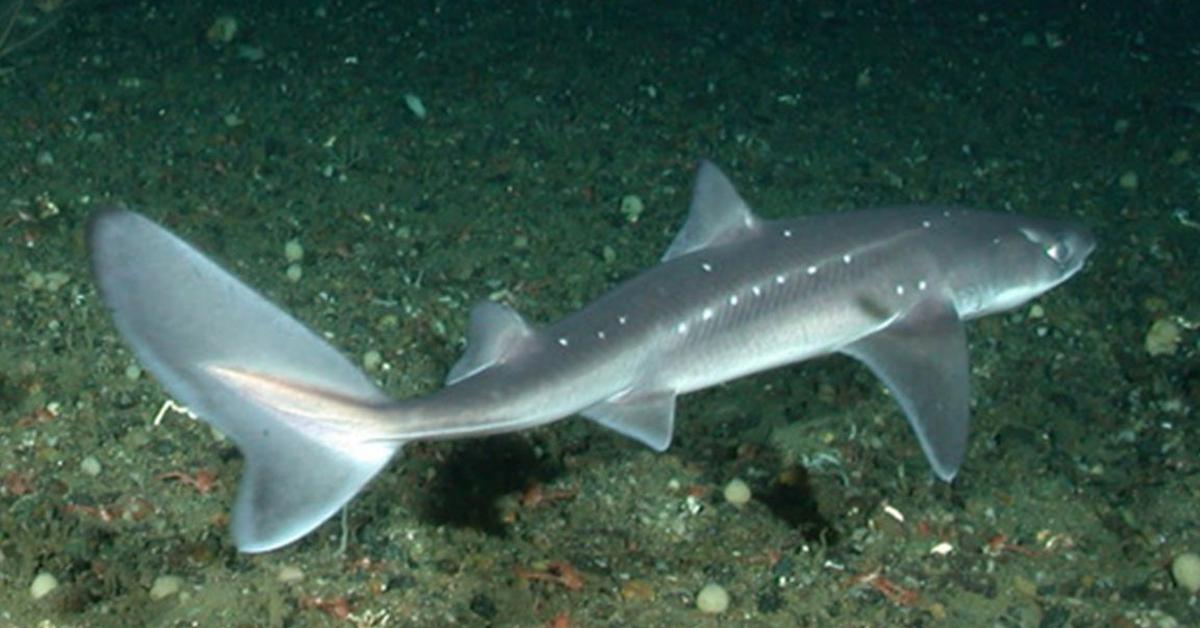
[
  {"x": 737, "y": 492},
  {"x": 637, "y": 590},
  {"x": 289, "y": 574},
  {"x": 56, "y": 279},
  {"x": 863, "y": 80},
  {"x": 35, "y": 280},
  {"x": 414, "y": 104},
  {"x": 293, "y": 251},
  {"x": 253, "y": 54},
  {"x": 222, "y": 30},
  {"x": 90, "y": 466},
  {"x": 1185, "y": 569},
  {"x": 1163, "y": 338},
  {"x": 371, "y": 360},
  {"x": 712, "y": 599},
  {"x": 165, "y": 586},
  {"x": 632, "y": 207},
  {"x": 1128, "y": 181},
  {"x": 42, "y": 585}
]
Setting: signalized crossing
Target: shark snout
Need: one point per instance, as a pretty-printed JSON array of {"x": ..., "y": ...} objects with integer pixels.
[{"x": 1075, "y": 245}]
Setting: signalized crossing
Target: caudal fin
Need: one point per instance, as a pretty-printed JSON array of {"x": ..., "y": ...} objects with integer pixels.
[{"x": 306, "y": 420}]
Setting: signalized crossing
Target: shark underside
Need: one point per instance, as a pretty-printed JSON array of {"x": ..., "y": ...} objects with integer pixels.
[{"x": 733, "y": 295}]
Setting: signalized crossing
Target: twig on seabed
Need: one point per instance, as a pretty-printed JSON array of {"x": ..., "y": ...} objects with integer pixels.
[{"x": 17, "y": 31}]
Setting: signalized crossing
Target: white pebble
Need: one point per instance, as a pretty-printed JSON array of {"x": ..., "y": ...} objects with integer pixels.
[
  {"x": 712, "y": 599},
  {"x": 90, "y": 466},
  {"x": 165, "y": 586},
  {"x": 42, "y": 585},
  {"x": 414, "y": 104},
  {"x": 737, "y": 492},
  {"x": 1186, "y": 571},
  {"x": 293, "y": 251}
]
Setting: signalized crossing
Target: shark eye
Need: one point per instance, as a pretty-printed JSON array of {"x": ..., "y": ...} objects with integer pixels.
[{"x": 1055, "y": 250}]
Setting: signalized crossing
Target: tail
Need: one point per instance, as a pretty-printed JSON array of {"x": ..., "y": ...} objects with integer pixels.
[{"x": 305, "y": 419}]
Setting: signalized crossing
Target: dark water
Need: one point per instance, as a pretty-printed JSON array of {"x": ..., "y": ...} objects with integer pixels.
[{"x": 539, "y": 119}]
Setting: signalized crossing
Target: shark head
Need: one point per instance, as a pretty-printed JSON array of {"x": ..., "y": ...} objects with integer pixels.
[{"x": 1025, "y": 260}]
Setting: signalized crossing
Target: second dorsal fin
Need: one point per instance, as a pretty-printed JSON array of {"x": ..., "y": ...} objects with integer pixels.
[{"x": 495, "y": 330}]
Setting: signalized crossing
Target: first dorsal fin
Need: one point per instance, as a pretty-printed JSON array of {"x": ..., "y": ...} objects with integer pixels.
[
  {"x": 718, "y": 215},
  {"x": 494, "y": 331}
]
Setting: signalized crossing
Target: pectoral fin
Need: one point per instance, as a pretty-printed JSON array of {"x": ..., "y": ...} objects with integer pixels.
[{"x": 922, "y": 358}]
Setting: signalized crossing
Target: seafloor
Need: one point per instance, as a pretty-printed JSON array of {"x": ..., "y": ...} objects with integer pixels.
[{"x": 1082, "y": 479}]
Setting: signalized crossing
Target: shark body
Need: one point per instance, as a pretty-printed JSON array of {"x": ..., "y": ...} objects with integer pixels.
[{"x": 733, "y": 295}]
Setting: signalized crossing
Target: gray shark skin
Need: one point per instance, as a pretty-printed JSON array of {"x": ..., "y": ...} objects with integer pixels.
[{"x": 733, "y": 295}]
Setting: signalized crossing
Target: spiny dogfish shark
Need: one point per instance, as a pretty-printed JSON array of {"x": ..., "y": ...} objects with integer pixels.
[{"x": 733, "y": 295}]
